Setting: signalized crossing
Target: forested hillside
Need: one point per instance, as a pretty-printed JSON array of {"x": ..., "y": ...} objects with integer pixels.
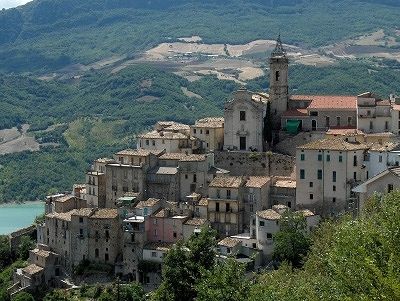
[{"x": 46, "y": 35}]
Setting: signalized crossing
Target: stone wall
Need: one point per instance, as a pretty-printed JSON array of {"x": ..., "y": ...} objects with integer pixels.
[
  {"x": 255, "y": 164},
  {"x": 15, "y": 237}
]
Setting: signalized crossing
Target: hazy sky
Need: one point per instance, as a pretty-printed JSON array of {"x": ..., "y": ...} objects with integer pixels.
[{"x": 11, "y": 3}]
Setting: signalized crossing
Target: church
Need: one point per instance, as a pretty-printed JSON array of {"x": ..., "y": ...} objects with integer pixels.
[{"x": 244, "y": 114}]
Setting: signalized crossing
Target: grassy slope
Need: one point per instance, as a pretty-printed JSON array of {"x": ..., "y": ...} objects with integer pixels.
[{"x": 46, "y": 35}]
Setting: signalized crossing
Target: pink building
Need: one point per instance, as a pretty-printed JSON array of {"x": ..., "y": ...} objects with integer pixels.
[{"x": 164, "y": 226}]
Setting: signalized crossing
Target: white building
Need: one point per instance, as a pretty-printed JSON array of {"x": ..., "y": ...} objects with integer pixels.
[
  {"x": 382, "y": 156},
  {"x": 373, "y": 114},
  {"x": 326, "y": 171}
]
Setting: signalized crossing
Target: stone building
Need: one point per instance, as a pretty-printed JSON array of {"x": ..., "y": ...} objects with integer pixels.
[
  {"x": 373, "y": 114},
  {"x": 225, "y": 204},
  {"x": 326, "y": 171},
  {"x": 210, "y": 132},
  {"x": 165, "y": 226}
]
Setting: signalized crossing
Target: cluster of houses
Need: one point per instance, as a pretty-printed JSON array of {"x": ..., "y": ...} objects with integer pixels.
[{"x": 135, "y": 206}]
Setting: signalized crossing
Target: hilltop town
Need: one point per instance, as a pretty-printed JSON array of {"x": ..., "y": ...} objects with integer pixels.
[{"x": 317, "y": 155}]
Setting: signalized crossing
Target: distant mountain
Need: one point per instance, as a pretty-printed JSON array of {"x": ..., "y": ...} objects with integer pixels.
[{"x": 46, "y": 35}]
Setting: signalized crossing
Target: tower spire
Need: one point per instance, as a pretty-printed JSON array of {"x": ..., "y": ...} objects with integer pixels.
[{"x": 279, "y": 50}]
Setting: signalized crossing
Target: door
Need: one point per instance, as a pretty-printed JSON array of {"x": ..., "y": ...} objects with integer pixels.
[
  {"x": 314, "y": 125},
  {"x": 243, "y": 143}
]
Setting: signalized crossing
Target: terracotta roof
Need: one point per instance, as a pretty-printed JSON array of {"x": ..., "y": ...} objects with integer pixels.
[
  {"x": 177, "y": 127},
  {"x": 229, "y": 242},
  {"x": 105, "y": 160},
  {"x": 138, "y": 152},
  {"x": 295, "y": 113},
  {"x": 162, "y": 212},
  {"x": 41, "y": 253},
  {"x": 306, "y": 213},
  {"x": 32, "y": 269},
  {"x": 105, "y": 213},
  {"x": 83, "y": 212},
  {"x": 396, "y": 107},
  {"x": 344, "y": 132},
  {"x": 381, "y": 102},
  {"x": 148, "y": 203},
  {"x": 269, "y": 214},
  {"x": 163, "y": 135},
  {"x": 383, "y": 147},
  {"x": 328, "y": 102},
  {"x": 66, "y": 216},
  {"x": 285, "y": 183},
  {"x": 210, "y": 122},
  {"x": 159, "y": 246},
  {"x": 226, "y": 182},
  {"x": 333, "y": 144},
  {"x": 196, "y": 221},
  {"x": 257, "y": 181},
  {"x": 64, "y": 199},
  {"x": 203, "y": 202},
  {"x": 182, "y": 157}
]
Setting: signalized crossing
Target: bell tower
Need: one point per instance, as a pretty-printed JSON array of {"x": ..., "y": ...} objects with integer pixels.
[{"x": 278, "y": 82}]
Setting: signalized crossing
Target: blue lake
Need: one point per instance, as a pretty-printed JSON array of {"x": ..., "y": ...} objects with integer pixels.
[{"x": 16, "y": 216}]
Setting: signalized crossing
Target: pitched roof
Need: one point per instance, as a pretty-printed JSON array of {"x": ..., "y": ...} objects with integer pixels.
[
  {"x": 163, "y": 135},
  {"x": 148, "y": 203},
  {"x": 336, "y": 143},
  {"x": 158, "y": 246},
  {"x": 226, "y": 182},
  {"x": 83, "y": 212},
  {"x": 66, "y": 216},
  {"x": 162, "y": 170},
  {"x": 285, "y": 183},
  {"x": 64, "y": 199},
  {"x": 295, "y": 113},
  {"x": 344, "y": 132},
  {"x": 105, "y": 213},
  {"x": 229, "y": 242},
  {"x": 257, "y": 181},
  {"x": 328, "y": 102},
  {"x": 32, "y": 269},
  {"x": 306, "y": 213},
  {"x": 269, "y": 214},
  {"x": 384, "y": 147},
  {"x": 182, "y": 157},
  {"x": 210, "y": 122},
  {"x": 203, "y": 202},
  {"x": 138, "y": 152},
  {"x": 196, "y": 221}
]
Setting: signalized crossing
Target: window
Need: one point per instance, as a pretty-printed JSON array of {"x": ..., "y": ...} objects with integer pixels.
[
  {"x": 147, "y": 142},
  {"x": 327, "y": 121},
  {"x": 155, "y": 232},
  {"x": 277, "y": 75},
  {"x": 371, "y": 125},
  {"x": 228, "y": 194},
  {"x": 218, "y": 194},
  {"x": 311, "y": 196},
  {"x": 96, "y": 253},
  {"x": 349, "y": 120},
  {"x": 302, "y": 157},
  {"x": 333, "y": 200},
  {"x": 194, "y": 178},
  {"x": 201, "y": 132},
  {"x": 328, "y": 158},
  {"x": 390, "y": 187},
  {"x": 242, "y": 115},
  {"x": 251, "y": 208},
  {"x": 368, "y": 113},
  {"x": 319, "y": 174},
  {"x": 313, "y": 113},
  {"x": 174, "y": 234},
  {"x": 194, "y": 131},
  {"x": 207, "y": 132},
  {"x": 380, "y": 159},
  {"x": 153, "y": 254},
  {"x": 311, "y": 184},
  {"x": 319, "y": 157},
  {"x": 153, "y": 142},
  {"x": 355, "y": 161},
  {"x": 355, "y": 176},
  {"x": 217, "y": 207},
  {"x": 386, "y": 125},
  {"x": 227, "y": 207},
  {"x": 338, "y": 121},
  {"x": 163, "y": 141},
  {"x": 269, "y": 236},
  {"x": 81, "y": 220},
  {"x": 186, "y": 176},
  {"x": 334, "y": 187},
  {"x": 81, "y": 233},
  {"x": 340, "y": 158},
  {"x": 106, "y": 257},
  {"x": 289, "y": 204},
  {"x": 262, "y": 223},
  {"x": 302, "y": 174},
  {"x": 334, "y": 176}
]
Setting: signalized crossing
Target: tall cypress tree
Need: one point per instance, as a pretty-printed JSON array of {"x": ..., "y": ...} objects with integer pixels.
[{"x": 268, "y": 125}]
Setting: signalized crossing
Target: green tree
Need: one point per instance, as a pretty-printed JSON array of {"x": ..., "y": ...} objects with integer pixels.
[
  {"x": 23, "y": 296},
  {"x": 5, "y": 252},
  {"x": 24, "y": 246},
  {"x": 291, "y": 242},
  {"x": 184, "y": 265},
  {"x": 225, "y": 282},
  {"x": 132, "y": 292},
  {"x": 267, "y": 132}
]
